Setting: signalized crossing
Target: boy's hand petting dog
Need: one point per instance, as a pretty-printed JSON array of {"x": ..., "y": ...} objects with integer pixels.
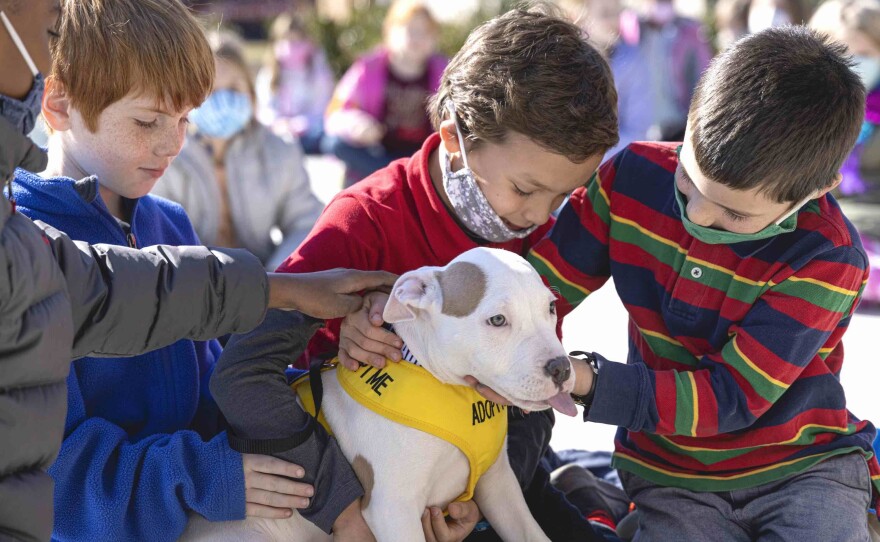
[
  {"x": 269, "y": 492},
  {"x": 325, "y": 294},
  {"x": 463, "y": 516},
  {"x": 363, "y": 339}
]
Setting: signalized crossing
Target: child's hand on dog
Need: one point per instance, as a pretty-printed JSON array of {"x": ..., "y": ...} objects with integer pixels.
[
  {"x": 463, "y": 517},
  {"x": 269, "y": 491},
  {"x": 363, "y": 339},
  {"x": 487, "y": 392}
]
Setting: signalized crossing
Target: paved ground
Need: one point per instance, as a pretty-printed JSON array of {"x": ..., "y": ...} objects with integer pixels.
[{"x": 600, "y": 325}]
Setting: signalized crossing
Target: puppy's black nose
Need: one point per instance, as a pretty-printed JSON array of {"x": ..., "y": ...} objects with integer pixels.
[{"x": 558, "y": 369}]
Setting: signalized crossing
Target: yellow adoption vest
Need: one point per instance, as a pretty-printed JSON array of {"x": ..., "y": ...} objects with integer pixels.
[{"x": 408, "y": 394}]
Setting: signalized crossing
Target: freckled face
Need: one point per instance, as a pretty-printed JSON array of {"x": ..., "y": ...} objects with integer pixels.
[{"x": 135, "y": 142}]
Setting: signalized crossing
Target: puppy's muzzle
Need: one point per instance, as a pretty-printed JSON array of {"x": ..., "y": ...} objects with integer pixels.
[{"x": 558, "y": 369}]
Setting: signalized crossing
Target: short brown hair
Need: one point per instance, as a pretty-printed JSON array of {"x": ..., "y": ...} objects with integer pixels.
[
  {"x": 779, "y": 111},
  {"x": 530, "y": 71},
  {"x": 109, "y": 48}
]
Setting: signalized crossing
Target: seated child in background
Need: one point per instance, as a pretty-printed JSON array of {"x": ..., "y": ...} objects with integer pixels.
[
  {"x": 143, "y": 445},
  {"x": 295, "y": 86},
  {"x": 524, "y": 114},
  {"x": 236, "y": 179},
  {"x": 856, "y": 24},
  {"x": 377, "y": 113},
  {"x": 740, "y": 275}
]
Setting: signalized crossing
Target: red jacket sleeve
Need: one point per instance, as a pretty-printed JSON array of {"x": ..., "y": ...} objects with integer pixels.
[{"x": 346, "y": 235}]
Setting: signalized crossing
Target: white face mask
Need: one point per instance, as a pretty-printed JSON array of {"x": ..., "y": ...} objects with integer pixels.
[
  {"x": 468, "y": 201},
  {"x": 868, "y": 69}
]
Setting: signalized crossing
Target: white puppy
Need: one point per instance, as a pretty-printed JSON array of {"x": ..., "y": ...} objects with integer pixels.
[{"x": 487, "y": 314}]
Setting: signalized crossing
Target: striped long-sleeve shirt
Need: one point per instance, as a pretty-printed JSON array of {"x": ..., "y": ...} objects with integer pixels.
[{"x": 732, "y": 377}]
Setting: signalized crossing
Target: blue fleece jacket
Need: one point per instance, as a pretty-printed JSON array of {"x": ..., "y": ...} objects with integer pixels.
[{"x": 142, "y": 443}]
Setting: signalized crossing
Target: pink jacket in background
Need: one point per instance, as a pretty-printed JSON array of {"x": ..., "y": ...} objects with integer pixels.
[{"x": 362, "y": 90}]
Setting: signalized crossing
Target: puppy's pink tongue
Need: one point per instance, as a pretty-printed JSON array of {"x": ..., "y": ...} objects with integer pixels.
[{"x": 564, "y": 404}]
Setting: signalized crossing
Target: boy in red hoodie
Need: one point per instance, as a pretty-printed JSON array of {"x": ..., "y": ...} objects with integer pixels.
[{"x": 524, "y": 114}]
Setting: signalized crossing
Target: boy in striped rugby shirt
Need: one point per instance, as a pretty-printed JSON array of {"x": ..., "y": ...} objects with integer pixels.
[{"x": 740, "y": 275}]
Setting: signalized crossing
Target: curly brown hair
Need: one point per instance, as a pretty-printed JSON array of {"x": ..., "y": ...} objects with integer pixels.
[{"x": 532, "y": 72}]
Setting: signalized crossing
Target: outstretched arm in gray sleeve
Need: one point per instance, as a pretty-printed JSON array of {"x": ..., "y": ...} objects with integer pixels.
[{"x": 126, "y": 301}]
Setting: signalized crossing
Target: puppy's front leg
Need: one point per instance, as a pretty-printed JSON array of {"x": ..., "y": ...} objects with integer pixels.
[
  {"x": 393, "y": 518},
  {"x": 502, "y": 503}
]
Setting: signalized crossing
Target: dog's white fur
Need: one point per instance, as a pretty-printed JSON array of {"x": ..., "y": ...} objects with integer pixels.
[{"x": 412, "y": 469}]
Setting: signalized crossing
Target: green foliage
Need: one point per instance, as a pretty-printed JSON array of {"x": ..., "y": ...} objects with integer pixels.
[{"x": 345, "y": 41}]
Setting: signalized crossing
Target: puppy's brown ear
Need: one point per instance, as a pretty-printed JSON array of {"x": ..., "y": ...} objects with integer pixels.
[
  {"x": 462, "y": 287},
  {"x": 413, "y": 291}
]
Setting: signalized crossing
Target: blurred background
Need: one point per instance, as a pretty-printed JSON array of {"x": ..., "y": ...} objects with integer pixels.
[{"x": 348, "y": 28}]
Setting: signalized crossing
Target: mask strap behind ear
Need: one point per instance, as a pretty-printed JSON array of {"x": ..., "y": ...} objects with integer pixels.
[
  {"x": 18, "y": 43},
  {"x": 451, "y": 107},
  {"x": 794, "y": 209}
]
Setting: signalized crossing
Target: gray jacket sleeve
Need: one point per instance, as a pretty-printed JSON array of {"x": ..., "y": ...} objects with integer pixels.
[
  {"x": 251, "y": 389},
  {"x": 126, "y": 301}
]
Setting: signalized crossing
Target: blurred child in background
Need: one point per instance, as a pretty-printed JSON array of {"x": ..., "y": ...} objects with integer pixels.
[
  {"x": 656, "y": 64},
  {"x": 241, "y": 184},
  {"x": 856, "y": 23},
  {"x": 378, "y": 111},
  {"x": 294, "y": 87}
]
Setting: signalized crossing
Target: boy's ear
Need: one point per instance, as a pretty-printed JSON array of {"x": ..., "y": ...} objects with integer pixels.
[
  {"x": 449, "y": 137},
  {"x": 56, "y": 105},
  {"x": 834, "y": 184}
]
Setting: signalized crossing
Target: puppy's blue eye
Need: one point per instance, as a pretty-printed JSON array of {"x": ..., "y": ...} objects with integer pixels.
[
  {"x": 552, "y": 307},
  {"x": 498, "y": 320}
]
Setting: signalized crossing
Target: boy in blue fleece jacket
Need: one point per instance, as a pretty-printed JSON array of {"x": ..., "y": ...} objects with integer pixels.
[{"x": 143, "y": 445}]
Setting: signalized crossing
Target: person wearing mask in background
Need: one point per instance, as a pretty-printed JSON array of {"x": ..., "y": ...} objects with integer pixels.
[
  {"x": 377, "y": 113},
  {"x": 856, "y": 23},
  {"x": 656, "y": 64},
  {"x": 294, "y": 87},
  {"x": 61, "y": 300},
  {"x": 240, "y": 184}
]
